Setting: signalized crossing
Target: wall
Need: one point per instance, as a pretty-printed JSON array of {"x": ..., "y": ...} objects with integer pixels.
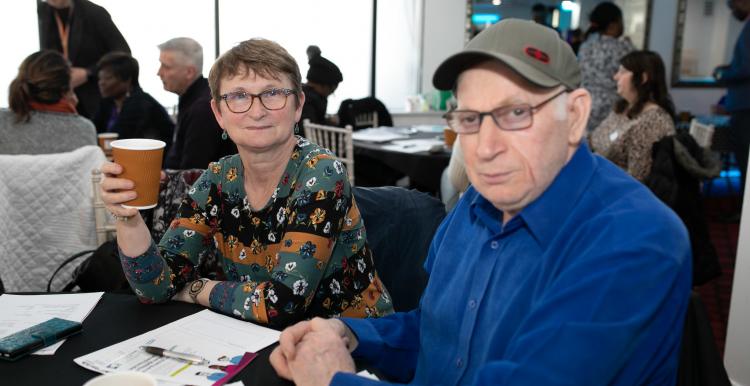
[{"x": 443, "y": 36}]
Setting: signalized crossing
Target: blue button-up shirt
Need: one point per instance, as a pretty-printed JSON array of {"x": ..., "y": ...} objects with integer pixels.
[{"x": 587, "y": 285}]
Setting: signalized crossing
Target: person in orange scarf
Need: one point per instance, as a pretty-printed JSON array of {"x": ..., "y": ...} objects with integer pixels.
[{"x": 42, "y": 118}]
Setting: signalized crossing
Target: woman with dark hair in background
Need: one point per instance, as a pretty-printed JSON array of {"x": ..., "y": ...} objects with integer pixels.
[
  {"x": 643, "y": 115},
  {"x": 126, "y": 109},
  {"x": 42, "y": 118},
  {"x": 323, "y": 77},
  {"x": 598, "y": 56}
]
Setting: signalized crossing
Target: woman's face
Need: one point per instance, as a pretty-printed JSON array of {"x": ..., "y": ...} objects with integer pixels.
[
  {"x": 110, "y": 86},
  {"x": 258, "y": 128},
  {"x": 625, "y": 88}
]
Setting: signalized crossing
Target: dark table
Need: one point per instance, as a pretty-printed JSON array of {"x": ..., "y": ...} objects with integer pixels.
[
  {"x": 423, "y": 168},
  {"x": 116, "y": 318}
]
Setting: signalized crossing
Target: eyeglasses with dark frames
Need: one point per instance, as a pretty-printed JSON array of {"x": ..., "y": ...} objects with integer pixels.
[
  {"x": 509, "y": 118},
  {"x": 271, "y": 99}
]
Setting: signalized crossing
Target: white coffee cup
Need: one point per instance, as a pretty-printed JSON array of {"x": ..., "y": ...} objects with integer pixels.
[{"x": 125, "y": 378}]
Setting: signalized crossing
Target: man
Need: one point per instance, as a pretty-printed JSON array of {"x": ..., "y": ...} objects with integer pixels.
[
  {"x": 736, "y": 76},
  {"x": 554, "y": 268},
  {"x": 198, "y": 138},
  {"x": 83, "y": 32}
]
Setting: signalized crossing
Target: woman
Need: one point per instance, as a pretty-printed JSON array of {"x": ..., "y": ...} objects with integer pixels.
[
  {"x": 42, "y": 118},
  {"x": 125, "y": 109},
  {"x": 643, "y": 116},
  {"x": 280, "y": 212},
  {"x": 323, "y": 78},
  {"x": 598, "y": 56}
]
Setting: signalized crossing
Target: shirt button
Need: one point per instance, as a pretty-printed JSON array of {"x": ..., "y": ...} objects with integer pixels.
[
  {"x": 472, "y": 303},
  {"x": 494, "y": 244},
  {"x": 459, "y": 362}
]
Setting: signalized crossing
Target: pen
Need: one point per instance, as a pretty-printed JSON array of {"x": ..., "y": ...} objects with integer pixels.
[{"x": 173, "y": 354}]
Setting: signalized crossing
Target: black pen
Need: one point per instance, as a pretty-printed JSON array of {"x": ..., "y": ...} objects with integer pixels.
[{"x": 176, "y": 355}]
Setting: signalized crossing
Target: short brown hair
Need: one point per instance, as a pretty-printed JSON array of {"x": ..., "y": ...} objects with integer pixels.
[
  {"x": 43, "y": 77},
  {"x": 263, "y": 57}
]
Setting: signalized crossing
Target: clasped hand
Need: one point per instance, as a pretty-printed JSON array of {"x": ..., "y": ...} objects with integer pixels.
[{"x": 312, "y": 352}]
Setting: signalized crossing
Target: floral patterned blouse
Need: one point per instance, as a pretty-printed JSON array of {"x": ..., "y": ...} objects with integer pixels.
[
  {"x": 599, "y": 58},
  {"x": 304, "y": 254},
  {"x": 628, "y": 142}
]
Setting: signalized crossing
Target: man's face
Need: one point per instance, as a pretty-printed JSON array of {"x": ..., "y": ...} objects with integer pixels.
[
  {"x": 175, "y": 74},
  {"x": 740, "y": 8},
  {"x": 512, "y": 168}
]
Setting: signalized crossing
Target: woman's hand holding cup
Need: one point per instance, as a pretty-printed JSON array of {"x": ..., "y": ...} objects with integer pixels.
[{"x": 116, "y": 191}]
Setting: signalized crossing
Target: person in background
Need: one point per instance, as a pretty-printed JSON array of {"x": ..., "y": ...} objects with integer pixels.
[
  {"x": 323, "y": 77},
  {"x": 599, "y": 56},
  {"x": 535, "y": 279},
  {"x": 644, "y": 114},
  {"x": 126, "y": 109},
  {"x": 42, "y": 118},
  {"x": 197, "y": 138},
  {"x": 83, "y": 32},
  {"x": 540, "y": 14},
  {"x": 280, "y": 214},
  {"x": 575, "y": 38},
  {"x": 736, "y": 77}
]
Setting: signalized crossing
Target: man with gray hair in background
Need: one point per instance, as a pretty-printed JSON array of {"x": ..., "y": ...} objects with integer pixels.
[{"x": 197, "y": 138}]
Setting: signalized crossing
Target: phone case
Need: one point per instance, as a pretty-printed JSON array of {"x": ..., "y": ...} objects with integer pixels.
[{"x": 35, "y": 337}]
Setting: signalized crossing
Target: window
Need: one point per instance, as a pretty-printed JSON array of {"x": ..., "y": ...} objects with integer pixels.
[
  {"x": 18, "y": 25},
  {"x": 705, "y": 36}
]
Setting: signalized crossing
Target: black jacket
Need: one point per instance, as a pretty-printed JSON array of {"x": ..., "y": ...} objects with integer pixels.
[
  {"x": 315, "y": 106},
  {"x": 92, "y": 34},
  {"x": 141, "y": 117},
  {"x": 350, "y": 108},
  {"x": 197, "y": 138},
  {"x": 679, "y": 165}
]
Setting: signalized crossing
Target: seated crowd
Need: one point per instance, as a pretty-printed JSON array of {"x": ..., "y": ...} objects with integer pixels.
[{"x": 557, "y": 265}]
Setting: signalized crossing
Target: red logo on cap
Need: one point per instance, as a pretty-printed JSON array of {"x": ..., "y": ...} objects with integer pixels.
[{"x": 537, "y": 54}]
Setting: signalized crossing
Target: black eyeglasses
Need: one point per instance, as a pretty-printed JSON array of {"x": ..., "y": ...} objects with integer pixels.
[
  {"x": 272, "y": 99},
  {"x": 510, "y": 118}
]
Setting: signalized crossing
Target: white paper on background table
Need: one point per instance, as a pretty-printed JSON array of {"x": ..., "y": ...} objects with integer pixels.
[{"x": 413, "y": 145}]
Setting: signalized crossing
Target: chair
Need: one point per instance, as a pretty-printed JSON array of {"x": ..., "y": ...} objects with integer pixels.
[
  {"x": 336, "y": 139},
  {"x": 366, "y": 119},
  {"x": 357, "y": 112},
  {"x": 400, "y": 224},
  {"x": 700, "y": 362},
  {"x": 46, "y": 214},
  {"x": 703, "y": 133},
  {"x": 105, "y": 229}
]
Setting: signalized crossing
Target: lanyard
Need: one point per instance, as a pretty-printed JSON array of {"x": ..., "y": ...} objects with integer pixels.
[{"x": 63, "y": 30}]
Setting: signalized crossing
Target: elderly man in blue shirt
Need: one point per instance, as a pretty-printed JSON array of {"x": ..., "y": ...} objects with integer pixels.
[{"x": 555, "y": 268}]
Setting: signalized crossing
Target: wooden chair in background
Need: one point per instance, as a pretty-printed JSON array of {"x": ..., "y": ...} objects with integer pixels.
[
  {"x": 336, "y": 139},
  {"x": 367, "y": 119}
]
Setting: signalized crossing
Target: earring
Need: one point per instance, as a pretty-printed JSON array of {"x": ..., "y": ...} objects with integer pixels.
[
  {"x": 224, "y": 135},
  {"x": 296, "y": 128}
]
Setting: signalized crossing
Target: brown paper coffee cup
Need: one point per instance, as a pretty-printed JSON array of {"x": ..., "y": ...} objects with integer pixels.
[
  {"x": 449, "y": 137},
  {"x": 105, "y": 142},
  {"x": 141, "y": 163}
]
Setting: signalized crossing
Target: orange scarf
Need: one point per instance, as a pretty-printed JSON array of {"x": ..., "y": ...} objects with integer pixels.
[{"x": 62, "y": 106}]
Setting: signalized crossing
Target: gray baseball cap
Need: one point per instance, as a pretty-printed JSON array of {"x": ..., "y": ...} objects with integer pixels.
[{"x": 532, "y": 50}]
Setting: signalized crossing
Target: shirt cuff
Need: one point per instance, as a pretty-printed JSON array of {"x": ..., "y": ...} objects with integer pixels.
[
  {"x": 368, "y": 338},
  {"x": 347, "y": 379}
]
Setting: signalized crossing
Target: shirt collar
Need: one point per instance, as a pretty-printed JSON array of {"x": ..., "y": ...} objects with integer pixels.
[{"x": 545, "y": 215}]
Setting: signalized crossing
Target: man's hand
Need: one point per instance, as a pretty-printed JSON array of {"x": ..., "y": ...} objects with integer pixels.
[
  {"x": 718, "y": 70},
  {"x": 78, "y": 76},
  {"x": 291, "y": 338},
  {"x": 319, "y": 356}
]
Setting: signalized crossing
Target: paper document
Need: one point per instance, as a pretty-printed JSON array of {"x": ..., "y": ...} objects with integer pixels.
[
  {"x": 18, "y": 312},
  {"x": 222, "y": 340},
  {"x": 413, "y": 145},
  {"x": 381, "y": 134}
]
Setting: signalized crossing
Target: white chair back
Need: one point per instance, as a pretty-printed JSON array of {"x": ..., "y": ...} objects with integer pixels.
[
  {"x": 368, "y": 119},
  {"x": 336, "y": 139}
]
